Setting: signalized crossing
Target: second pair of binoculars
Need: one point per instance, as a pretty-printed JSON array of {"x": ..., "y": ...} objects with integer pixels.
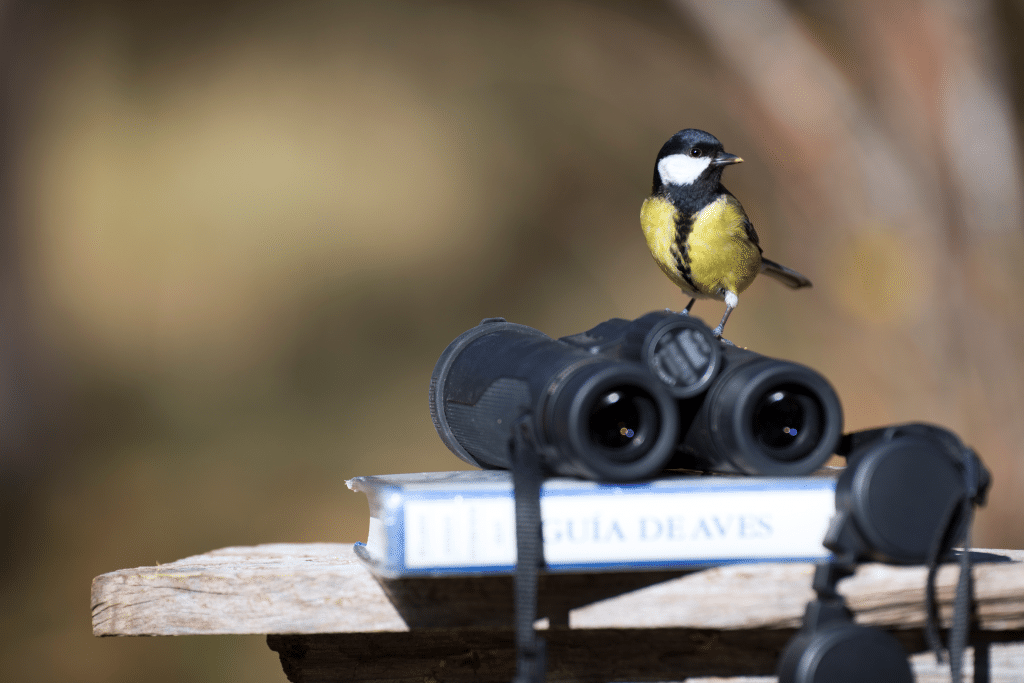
[{"x": 630, "y": 398}]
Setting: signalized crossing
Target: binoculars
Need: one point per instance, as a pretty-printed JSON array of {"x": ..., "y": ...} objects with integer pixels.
[{"x": 627, "y": 400}]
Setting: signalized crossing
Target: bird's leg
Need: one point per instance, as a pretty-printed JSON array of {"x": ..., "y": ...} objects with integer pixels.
[
  {"x": 721, "y": 325},
  {"x": 686, "y": 311},
  {"x": 730, "y": 303}
]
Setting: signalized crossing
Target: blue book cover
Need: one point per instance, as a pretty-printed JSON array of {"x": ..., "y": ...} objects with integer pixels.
[{"x": 452, "y": 523}]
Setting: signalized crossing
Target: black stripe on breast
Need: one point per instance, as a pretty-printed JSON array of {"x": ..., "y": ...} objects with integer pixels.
[{"x": 684, "y": 225}]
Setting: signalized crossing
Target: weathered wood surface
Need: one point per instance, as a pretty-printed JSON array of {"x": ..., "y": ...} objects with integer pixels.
[
  {"x": 273, "y": 588},
  {"x": 323, "y": 588}
]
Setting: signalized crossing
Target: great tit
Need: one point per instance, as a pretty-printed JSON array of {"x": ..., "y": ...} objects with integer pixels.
[{"x": 697, "y": 231}]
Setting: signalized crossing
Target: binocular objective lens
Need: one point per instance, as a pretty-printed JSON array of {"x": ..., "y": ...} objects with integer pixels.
[
  {"x": 787, "y": 422},
  {"x": 622, "y": 421}
]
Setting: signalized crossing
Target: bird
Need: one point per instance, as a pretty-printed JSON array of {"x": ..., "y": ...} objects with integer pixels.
[{"x": 697, "y": 231}]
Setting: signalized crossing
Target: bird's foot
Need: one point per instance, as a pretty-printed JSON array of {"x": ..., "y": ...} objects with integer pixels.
[{"x": 718, "y": 335}]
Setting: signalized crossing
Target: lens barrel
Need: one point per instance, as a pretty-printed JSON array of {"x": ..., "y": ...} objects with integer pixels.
[
  {"x": 593, "y": 416},
  {"x": 762, "y": 416}
]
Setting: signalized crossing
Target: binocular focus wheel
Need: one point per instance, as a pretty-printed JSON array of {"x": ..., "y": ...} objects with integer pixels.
[{"x": 683, "y": 353}]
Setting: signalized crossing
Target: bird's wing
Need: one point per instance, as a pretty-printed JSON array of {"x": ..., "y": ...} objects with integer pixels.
[{"x": 747, "y": 225}]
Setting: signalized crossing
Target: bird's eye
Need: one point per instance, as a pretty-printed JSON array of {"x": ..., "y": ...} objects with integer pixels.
[{"x": 695, "y": 152}]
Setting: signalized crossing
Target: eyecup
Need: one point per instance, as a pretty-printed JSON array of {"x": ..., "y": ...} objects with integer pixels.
[
  {"x": 724, "y": 434},
  {"x": 570, "y": 411}
]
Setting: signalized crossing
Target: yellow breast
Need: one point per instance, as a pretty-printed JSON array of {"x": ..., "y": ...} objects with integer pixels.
[
  {"x": 658, "y": 219},
  {"x": 722, "y": 256}
]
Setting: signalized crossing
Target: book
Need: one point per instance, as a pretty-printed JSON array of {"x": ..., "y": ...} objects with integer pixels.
[{"x": 463, "y": 523}]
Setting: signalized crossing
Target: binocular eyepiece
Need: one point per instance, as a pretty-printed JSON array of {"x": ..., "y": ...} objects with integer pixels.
[
  {"x": 760, "y": 416},
  {"x": 628, "y": 399}
]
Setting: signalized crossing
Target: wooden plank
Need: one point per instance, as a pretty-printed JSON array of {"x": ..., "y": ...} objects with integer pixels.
[
  {"x": 275, "y": 588},
  {"x": 323, "y": 588},
  {"x": 485, "y": 655},
  {"x": 878, "y": 594},
  {"x": 590, "y": 655}
]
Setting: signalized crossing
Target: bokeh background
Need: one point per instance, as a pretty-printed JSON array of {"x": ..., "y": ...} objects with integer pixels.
[{"x": 235, "y": 236}]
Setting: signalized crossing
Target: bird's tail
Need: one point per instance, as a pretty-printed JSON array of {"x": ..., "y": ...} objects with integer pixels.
[{"x": 786, "y": 276}]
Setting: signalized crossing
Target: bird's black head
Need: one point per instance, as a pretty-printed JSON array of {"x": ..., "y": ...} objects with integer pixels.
[{"x": 691, "y": 157}]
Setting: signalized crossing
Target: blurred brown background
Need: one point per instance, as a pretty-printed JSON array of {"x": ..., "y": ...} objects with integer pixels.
[{"x": 235, "y": 236}]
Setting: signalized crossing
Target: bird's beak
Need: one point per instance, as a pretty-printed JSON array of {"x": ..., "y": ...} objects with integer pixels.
[{"x": 724, "y": 159}]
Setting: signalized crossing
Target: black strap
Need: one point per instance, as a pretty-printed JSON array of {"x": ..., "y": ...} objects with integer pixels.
[
  {"x": 963, "y": 602},
  {"x": 962, "y": 613},
  {"x": 527, "y": 476},
  {"x": 940, "y": 545},
  {"x": 959, "y": 516}
]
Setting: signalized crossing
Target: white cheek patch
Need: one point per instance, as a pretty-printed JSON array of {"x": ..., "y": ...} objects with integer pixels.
[{"x": 681, "y": 169}]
